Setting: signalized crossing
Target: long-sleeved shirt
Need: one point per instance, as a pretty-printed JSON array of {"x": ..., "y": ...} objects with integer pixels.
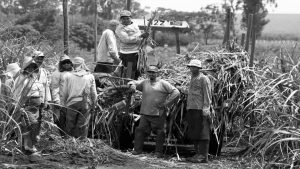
[
  {"x": 107, "y": 47},
  {"x": 155, "y": 96},
  {"x": 57, "y": 81},
  {"x": 78, "y": 85},
  {"x": 39, "y": 88},
  {"x": 129, "y": 38},
  {"x": 199, "y": 93}
]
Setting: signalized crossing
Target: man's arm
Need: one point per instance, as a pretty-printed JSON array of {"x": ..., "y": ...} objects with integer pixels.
[
  {"x": 93, "y": 91},
  {"x": 173, "y": 93},
  {"x": 136, "y": 85},
  {"x": 64, "y": 92},
  {"x": 112, "y": 47},
  {"x": 54, "y": 87},
  {"x": 206, "y": 89}
]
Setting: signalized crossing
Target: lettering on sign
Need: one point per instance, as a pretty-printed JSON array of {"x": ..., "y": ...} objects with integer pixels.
[{"x": 165, "y": 23}]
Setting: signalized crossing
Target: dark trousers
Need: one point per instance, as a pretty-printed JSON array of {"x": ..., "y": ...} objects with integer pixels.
[
  {"x": 199, "y": 131},
  {"x": 104, "y": 67},
  {"x": 77, "y": 120},
  {"x": 132, "y": 57},
  {"x": 148, "y": 124},
  {"x": 31, "y": 122},
  {"x": 59, "y": 118}
]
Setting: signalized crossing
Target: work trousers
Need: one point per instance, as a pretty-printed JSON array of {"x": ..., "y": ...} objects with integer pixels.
[
  {"x": 59, "y": 118},
  {"x": 31, "y": 122},
  {"x": 199, "y": 131},
  {"x": 146, "y": 125},
  {"x": 77, "y": 120},
  {"x": 133, "y": 58}
]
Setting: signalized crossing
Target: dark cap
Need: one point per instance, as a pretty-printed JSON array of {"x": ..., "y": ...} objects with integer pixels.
[{"x": 152, "y": 69}]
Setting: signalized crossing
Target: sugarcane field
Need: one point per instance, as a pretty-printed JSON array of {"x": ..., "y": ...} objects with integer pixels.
[{"x": 130, "y": 84}]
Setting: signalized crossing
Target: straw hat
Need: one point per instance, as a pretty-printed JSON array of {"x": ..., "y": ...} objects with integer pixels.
[
  {"x": 37, "y": 54},
  {"x": 65, "y": 57},
  {"x": 125, "y": 13},
  {"x": 195, "y": 63},
  {"x": 28, "y": 61}
]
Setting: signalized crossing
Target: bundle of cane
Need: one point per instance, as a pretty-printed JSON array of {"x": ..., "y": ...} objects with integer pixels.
[{"x": 142, "y": 57}]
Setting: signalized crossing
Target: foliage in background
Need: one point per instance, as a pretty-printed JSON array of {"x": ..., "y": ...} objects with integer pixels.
[
  {"x": 257, "y": 7},
  {"x": 21, "y": 7}
]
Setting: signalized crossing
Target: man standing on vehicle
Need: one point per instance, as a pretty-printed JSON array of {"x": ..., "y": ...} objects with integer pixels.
[
  {"x": 198, "y": 111},
  {"x": 107, "y": 50},
  {"x": 130, "y": 37},
  {"x": 157, "y": 96}
]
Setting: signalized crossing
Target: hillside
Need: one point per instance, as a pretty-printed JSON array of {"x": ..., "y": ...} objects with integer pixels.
[{"x": 283, "y": 24}]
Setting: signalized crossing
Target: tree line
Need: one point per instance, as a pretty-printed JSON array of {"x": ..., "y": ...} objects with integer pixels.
[{"x": 43, "y": 18}]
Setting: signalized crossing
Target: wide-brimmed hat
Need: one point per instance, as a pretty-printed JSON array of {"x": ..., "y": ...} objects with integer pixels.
[
  {"x": 152, "y": 69},
  {"x": 125, "y": 13},
  {"x": 195, "y": 63},
  {"x": 65, "y": 57},
  {"x": 28, "y": 61},
  {"x": 12, "y": 69},
  {"x": 37, "y": 53}
]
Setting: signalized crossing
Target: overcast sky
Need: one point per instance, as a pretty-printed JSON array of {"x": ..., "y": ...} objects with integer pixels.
[{"x": 284, "y": 6}]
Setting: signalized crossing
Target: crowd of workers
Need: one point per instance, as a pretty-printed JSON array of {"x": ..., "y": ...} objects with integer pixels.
[{"x": 72, "y": 91}]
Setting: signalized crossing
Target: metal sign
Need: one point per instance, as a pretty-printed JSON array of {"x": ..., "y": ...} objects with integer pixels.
[{"x": 162, "y": 23}]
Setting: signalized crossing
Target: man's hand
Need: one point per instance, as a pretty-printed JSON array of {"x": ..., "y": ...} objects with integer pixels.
[
  {"x": 116, "y": 61},
  {"x": 206, "y": 112},
  {"x": 145, "y": 35}
]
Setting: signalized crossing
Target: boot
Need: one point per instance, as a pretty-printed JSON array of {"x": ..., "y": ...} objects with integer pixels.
[
  {"x": 160, "y": 139},
  {"x": 138, "y": 141},
  {"x": 203, "y": 150},
  {"x": 196, "y": 156}
]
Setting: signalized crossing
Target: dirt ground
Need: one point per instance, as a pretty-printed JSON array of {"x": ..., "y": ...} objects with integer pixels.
[{"x": 57, "y": 153}]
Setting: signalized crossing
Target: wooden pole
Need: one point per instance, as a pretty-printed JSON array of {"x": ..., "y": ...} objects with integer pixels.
[
  {"x": 252, "y": 48},
  {"x": 66, "y": 27},
  {"x": 177, "y": 42},
  {"x": 249, "y": 31},
  {"x": 128, "y": 5},
  {"x": 95, "y": 31},
  {"x": 227, "y": 31},
  {"x": 153, "y": 34},
  {"x": 243, "y": 39}
]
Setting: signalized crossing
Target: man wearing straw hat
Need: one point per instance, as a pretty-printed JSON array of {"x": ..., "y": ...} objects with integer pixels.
[
  {"x": 57, "y": 80},
  {"x": 157, "y": 96},
  {"x": 80, "y": 96},
  {"x": 130, "y": 37},
  {"x": 107, "y": 55},
  {"x": 198, "y": 111}
]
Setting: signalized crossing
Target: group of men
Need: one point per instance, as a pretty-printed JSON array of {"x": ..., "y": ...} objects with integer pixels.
[{"x": 72, "y": 90}]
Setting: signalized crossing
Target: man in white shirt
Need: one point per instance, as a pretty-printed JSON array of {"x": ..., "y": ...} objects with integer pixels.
[
  {"x": 130, "y": 37},
  {"x": 80, "y": 96},
  {"x": 107, "y": 50}
]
